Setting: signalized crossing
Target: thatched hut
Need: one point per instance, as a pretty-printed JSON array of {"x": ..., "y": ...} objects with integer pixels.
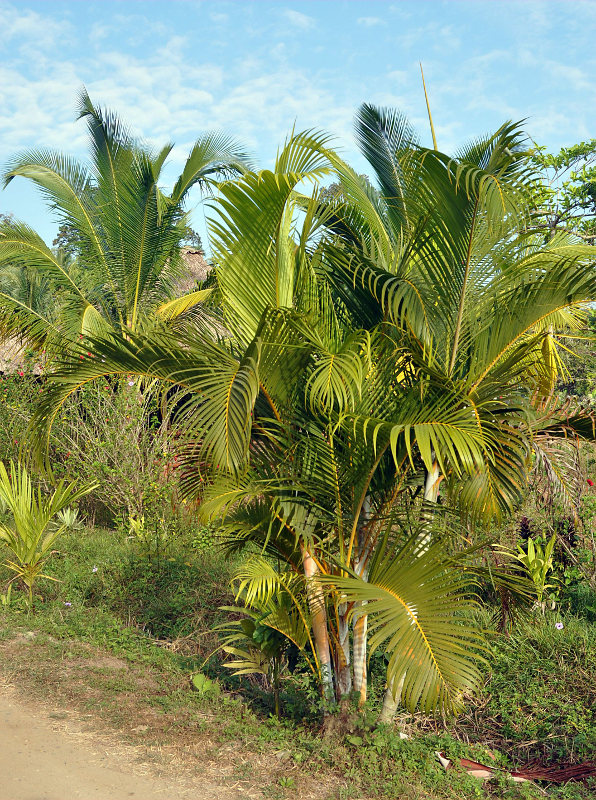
[{"x": 13, "y": 354}]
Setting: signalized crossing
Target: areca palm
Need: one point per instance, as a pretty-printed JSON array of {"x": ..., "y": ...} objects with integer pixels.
[
  {"x": 286, "y": 412},
  {"x": 128, "y": 230},
  {"x": 358, "y": 350},
  {"x": 440, "y": 254}
]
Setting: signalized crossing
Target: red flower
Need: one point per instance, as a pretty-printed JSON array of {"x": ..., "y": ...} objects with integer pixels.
[
  {"x": 21, "y": 374},
  {"x": 590, "y": 483}
]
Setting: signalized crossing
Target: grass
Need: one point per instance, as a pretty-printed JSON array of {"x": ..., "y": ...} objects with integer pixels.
[{"x": 136, "y": 629}]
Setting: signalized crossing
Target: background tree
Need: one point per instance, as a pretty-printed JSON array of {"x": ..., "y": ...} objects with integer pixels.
[
  {"x": 124, "y": 231},
  {"x": 566, "y": 194},
  {"x": 192, "y": 238}
]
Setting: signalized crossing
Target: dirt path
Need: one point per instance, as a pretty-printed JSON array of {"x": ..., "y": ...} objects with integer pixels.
[{"x": 44, "y": 758}]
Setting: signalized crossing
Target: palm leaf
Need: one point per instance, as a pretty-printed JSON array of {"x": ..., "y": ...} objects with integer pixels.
[{"x": 417, "y": 612}]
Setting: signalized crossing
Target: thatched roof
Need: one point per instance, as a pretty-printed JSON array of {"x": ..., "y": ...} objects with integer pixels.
[
  {"x": 197, "y": 270},
  {"x": 12, "y": 358},
  {"x": 12, "y": 352}
]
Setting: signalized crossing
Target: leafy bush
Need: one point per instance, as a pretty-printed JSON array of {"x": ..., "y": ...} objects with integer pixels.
[
  {"x": 112, "y": 431},
  {"x": 18, "y": 393},
  {"x": 109, "y": 433}
]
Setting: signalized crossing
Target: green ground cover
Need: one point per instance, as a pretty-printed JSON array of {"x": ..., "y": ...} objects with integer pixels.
[{"x": 157, "y": 615}]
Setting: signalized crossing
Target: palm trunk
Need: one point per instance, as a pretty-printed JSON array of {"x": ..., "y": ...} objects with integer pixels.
[
  {"x": 344, "y": 674},
  {"x": 431, "y": 486},
  {"x": 361, "y": 623},
  {"x": 360, "y": 672},
  {"x": 431, "y": 495},
  {"x": 316, "y": 603},
  {"x": 391, "y": 700}
]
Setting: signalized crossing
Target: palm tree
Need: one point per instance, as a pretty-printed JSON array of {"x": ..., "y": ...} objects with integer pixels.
[
  {"x": 371, "y": 345},
  {"x": 128, "y": 230},
  {"x": 438, "y": 254}
]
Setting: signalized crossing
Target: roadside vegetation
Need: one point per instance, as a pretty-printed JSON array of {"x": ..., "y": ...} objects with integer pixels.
[{"x": 335, "y": 504}]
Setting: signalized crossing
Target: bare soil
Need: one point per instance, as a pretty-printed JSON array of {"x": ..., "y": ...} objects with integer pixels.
[
  {"x": 75, "y": 724},
  {"x": 42, "y": 758}
]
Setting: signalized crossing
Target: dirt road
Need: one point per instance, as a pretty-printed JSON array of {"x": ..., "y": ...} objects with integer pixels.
[{"x": 43, "y": 759}]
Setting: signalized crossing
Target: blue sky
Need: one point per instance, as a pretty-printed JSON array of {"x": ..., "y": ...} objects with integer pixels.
[{"x": 254, "y": 69}]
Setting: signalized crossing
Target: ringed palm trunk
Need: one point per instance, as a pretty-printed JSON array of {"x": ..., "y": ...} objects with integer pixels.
[
  {"x": 361, "y": 623},
  {"x": 316, "y": 603},
  {"x": 394, "y": 689},
  {"x": 344, "y": 671}
]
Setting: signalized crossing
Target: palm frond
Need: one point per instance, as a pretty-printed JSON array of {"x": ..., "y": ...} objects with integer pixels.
[
  {"x": 214, "y": 155},
  {"x": 417, "y": 611}
]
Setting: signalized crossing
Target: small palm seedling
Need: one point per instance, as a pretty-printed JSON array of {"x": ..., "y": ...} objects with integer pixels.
[
  {"x": 273, "y": 628},
  {"x": 538, "y": 562},
  {"x": 535, "y": 564},
  {"x": 69, "y": 518},
  {"x": 32, "y": 530}
]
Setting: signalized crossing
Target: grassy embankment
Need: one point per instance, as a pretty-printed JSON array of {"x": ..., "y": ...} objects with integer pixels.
[{"x": 119, "y": 643}]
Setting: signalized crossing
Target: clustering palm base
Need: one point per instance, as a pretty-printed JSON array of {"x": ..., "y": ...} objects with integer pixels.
[{"x": 370, "y": 348}]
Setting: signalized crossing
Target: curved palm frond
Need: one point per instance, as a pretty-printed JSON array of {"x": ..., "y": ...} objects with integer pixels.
[
  {"x": 417, "y": 611},
  {"x": 213, "y": 155}
]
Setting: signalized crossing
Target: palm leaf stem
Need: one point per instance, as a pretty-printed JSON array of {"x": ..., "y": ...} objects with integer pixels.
[
  {"x": 140, "y": 264},
  {"x": 462, "y": 299},
  {"x": 361, "y": 500},
  {"x": 270, "y": 401}
]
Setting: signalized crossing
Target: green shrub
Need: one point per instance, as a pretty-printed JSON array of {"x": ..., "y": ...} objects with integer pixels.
[{"x": 168, "y": 598}]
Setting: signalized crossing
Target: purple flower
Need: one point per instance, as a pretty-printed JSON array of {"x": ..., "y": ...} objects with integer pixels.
[
  {"x": 94, "y": 569},
  {"x": 559, "y": 626},
  {"x": 131, "y": 383},
  {"x": 68, "y": 605}
]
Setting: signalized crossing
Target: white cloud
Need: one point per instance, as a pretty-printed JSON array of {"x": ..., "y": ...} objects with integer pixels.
[
  {"x": 369, "y": 22},
  {"x": 98, "y": 32},
  {"x": 298, "y": 19},
  {"x": 29, "y": 35},
  {"x": 399, "y": 76}
]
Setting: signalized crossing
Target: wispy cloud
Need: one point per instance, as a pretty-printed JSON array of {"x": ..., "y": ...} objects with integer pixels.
[
  {"x": 23, "y": 29},
  {"x": 298, "y": 19},
  {"x": 369, "y": 22}
]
